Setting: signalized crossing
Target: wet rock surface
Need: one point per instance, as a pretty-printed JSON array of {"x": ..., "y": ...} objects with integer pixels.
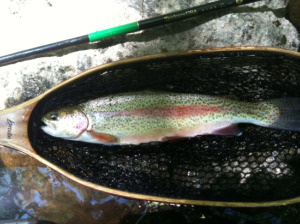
[
  {"x": 257, "y": 24},
  {"x": 30, "y": 190}
]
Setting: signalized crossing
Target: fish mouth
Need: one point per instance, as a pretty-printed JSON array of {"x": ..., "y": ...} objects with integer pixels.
[
  {"x": 49, "y": 127},
  {"x": 45, "y": 121},
  {"x": 48, "y": 123},
  {"x": 48, "y": 130}
]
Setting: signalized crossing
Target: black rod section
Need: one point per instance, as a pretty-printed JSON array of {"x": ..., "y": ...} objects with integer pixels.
[
  {"x": 191, "y": 12},
  {"x": 127, "y": 28},
  {"x": 22, "y": 55}
]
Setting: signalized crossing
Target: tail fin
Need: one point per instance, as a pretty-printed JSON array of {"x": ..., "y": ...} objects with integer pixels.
[{"x": 289, "y": 117}]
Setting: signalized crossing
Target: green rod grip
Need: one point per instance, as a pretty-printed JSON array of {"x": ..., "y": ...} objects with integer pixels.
[{"x": 127, "y": 28}]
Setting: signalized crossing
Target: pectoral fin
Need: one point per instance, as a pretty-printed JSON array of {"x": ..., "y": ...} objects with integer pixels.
[
  {"x": 102, "y": 137},
  {"x": 229, "y": 130}
]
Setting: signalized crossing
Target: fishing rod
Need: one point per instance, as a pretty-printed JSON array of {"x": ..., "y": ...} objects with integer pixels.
[{"x": 123, "y": 29}]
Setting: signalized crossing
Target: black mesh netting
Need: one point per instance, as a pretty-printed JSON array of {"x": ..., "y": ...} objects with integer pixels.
[{"x": 262, "y": 164}]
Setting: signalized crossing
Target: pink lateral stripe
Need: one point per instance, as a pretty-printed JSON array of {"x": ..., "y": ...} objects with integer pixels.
[{"x": 169, "y": 111}]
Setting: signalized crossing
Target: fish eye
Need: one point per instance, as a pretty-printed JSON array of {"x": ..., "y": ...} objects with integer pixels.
[{"x": 54, "y": 117}]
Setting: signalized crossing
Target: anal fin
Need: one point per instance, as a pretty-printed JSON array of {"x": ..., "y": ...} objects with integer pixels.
[
  {"x": 229, "y": 130},
  {"x": 170, "y": 138}
]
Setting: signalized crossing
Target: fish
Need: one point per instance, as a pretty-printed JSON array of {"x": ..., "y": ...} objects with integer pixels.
[{"x": 149, "y": 116}]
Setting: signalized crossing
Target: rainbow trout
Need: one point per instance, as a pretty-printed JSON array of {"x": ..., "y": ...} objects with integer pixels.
[{"x": 141, "y": 117}]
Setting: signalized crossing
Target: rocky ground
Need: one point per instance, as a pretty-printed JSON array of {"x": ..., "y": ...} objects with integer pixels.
[{"x": 34, "y": 23}]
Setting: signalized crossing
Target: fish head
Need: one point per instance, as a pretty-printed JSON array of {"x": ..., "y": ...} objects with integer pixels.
[{"x": 67, "y": 123}]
